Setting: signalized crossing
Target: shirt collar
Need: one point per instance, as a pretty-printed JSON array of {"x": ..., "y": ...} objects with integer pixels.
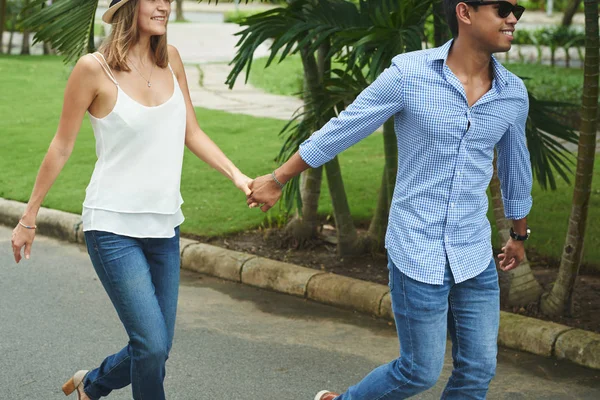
[{"x": 441, "y": 53}]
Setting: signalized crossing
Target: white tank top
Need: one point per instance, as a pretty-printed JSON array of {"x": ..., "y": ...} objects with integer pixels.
[{"x": 135, "y": 188}]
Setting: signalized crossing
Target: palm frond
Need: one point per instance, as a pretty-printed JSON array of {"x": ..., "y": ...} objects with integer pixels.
[
  {"x": 282, "y": 25},
  {"x": 66, "y": 24},
  {"x": 546, "y": 139}
]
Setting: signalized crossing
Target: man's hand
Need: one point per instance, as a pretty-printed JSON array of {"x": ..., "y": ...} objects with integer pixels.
[
  {"x": 264, "y": 191},
  {"x": 512, "y": 255}
]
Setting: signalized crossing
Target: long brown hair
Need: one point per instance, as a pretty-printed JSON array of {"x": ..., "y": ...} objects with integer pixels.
[{"x": 124, "y": 33}]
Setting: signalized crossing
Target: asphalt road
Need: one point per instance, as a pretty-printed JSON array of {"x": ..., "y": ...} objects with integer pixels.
[{"x": 231, "y": 341}]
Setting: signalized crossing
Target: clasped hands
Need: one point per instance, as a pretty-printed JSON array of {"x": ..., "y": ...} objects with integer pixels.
[{"x": 264, "y": 193}]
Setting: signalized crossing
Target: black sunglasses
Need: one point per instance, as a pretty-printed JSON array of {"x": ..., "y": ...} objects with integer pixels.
[{"x": 504, "y": 7}]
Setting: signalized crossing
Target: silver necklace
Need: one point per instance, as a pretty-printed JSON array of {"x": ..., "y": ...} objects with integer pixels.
[{"x": 138, "y": 71}]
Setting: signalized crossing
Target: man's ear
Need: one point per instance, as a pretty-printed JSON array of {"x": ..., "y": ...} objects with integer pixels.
[{"x": 462, "y": 14}]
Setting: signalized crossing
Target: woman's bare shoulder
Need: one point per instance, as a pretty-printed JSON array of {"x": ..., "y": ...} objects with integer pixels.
[
  {"x": 173, "y": 53},
  {"x": 175, "y": 59},
  {"x": 88, "y": 66}
]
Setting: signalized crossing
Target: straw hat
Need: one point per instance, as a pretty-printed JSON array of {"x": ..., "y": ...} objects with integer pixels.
[{"x": 112, "y": 9}]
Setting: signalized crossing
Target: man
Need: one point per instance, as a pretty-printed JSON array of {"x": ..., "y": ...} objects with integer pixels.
[{"x": 452, "y": 106}]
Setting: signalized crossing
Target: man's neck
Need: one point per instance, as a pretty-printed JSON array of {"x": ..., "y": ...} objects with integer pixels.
[{"x": 468, "y": 62}]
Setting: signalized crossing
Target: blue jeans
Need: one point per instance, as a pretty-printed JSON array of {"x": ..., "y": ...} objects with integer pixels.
[
  {"x": 141, "y": 277},
  {"x": 469, "y": 311}
]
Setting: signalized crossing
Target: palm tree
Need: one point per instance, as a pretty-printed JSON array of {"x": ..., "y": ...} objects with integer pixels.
[{"x": 560, "y": 299}]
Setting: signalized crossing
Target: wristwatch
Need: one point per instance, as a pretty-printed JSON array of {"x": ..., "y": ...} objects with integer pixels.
[{"x": 520, "y": 238}]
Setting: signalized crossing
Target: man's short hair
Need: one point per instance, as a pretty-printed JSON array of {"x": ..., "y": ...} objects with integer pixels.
[{"x": 450, "y": 11}]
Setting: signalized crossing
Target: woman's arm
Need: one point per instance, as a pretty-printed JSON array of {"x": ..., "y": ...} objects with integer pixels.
[
  {"x": 80, "y": 91},
  {"x": 196, "y": 140}
]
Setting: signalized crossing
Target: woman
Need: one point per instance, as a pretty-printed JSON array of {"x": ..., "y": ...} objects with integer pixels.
[{"x": 142, "y": 115}]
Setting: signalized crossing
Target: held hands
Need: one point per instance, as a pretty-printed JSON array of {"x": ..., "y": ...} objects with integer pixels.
[
  {"x": 265, "y": 191},
  {"x": 241, "y": 181},
  {"x": 512, "y": 255},
  {"x": 22, "y": 237}
]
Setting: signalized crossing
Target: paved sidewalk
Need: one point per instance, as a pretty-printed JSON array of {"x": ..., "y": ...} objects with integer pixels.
[
  {"x": 243, "y": 99},
  {"x": 206, "y": 49},
  {"x": 231, "y": 341}
]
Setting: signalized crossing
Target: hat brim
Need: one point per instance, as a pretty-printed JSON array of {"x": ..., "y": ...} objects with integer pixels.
[{"x": 108, "y": 14}]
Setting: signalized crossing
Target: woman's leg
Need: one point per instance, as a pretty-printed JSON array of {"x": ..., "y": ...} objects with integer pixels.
[
  {"x": 165, "y": 259},
  {"x": 124, "y": 271}
]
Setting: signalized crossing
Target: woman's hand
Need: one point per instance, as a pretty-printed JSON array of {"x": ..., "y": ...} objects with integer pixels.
[
  {"x": 22, "y": 237},
  {"x": 241, "y": 181}
]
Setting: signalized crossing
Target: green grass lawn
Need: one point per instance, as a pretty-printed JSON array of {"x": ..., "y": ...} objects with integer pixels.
[
  {"x": 30, "y": 104},
  {"x": 280, "y": 77},
  {"x": 551, "y": 83}
]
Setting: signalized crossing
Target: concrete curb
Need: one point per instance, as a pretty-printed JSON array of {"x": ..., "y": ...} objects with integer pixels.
[
  {"x": 516, "y": 331},
  {"x": 58, "y": 224}
]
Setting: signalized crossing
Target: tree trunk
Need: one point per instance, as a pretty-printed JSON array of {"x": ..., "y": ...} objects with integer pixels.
[
  {"x": 441, "y": 32},
  {"x": 378, "y": 225},
  {"x": 25, "y": 50},
  {"x": 311, "y": 191},
  {"x": 346, "y": 231},
  {"x": 12, "y": 35},
  {"x": 2, "y": 25},
  {"x": 560, "y": 300},
  {"x": 523, "y": 287},
  {"x": 179, "y": 11},
  {"x": 570, "y": 11},
  {"x": 304, "y": 227},
  {"x": 10, "y": 42}
]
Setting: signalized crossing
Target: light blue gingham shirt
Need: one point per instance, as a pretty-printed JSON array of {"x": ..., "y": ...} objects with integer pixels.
[{"x": 445, "y": 156}]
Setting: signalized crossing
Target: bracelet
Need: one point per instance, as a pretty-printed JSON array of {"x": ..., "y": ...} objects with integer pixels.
[
  {"x": 281, "y": 185},
  {"x": 27, "y": 226}
]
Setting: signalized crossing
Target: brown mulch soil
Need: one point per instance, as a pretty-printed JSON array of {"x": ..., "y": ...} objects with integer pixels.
[{"x": 321, "y": 254}]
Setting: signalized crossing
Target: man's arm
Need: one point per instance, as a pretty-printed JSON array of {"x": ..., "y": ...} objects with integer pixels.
[
  {"x": 514, "y": 172},
  {"x": 375, "y": 105}
]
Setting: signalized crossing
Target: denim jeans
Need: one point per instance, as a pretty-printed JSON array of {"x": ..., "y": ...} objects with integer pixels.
[
  {"x": 141, "y": 277},
  {"x": 469, "y": 311}
]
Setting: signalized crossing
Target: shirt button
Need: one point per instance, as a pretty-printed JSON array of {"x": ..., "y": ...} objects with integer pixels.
[
  {"x": 446, "y": 237},
  {"x": 452, "y": 205},
  {"x": 458, "y": 173}
]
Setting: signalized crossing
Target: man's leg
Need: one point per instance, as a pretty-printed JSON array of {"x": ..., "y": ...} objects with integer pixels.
[
  {"x": 473, "y": 321},
  {"x": 420, "y": 311}
]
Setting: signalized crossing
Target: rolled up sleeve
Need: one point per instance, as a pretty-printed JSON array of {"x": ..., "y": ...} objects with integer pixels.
[
  {"x": 514, "y": 168},
  {"x": 375, "y": 105}
]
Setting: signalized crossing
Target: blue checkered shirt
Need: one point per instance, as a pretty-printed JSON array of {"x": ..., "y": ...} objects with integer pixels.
[{"x": 445, "y": 160}]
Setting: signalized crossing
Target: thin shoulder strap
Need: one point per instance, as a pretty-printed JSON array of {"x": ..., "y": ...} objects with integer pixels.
[
  {"x": 106, "y": 68},
  {"x": 169, "y": 64}
]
